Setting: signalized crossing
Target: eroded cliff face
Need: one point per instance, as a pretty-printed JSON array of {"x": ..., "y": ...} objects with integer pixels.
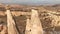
[{"x": 50, "y": 19}]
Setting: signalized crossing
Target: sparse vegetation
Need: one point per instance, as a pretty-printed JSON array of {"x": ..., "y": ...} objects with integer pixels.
[{"x": 48, "y": 15}]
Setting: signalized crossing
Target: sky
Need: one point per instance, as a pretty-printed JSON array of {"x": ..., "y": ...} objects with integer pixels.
[{"x": 31, "y": 1}]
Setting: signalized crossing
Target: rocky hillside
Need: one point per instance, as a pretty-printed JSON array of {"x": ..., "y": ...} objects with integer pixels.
[{"x": 49, "y": 16}]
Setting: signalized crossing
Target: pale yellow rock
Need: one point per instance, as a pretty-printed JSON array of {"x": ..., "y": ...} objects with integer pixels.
[
  {"x": 11, "y": 24},
  {"x": 28, "y": 26},
  {"x": 36, "y": 23}
]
